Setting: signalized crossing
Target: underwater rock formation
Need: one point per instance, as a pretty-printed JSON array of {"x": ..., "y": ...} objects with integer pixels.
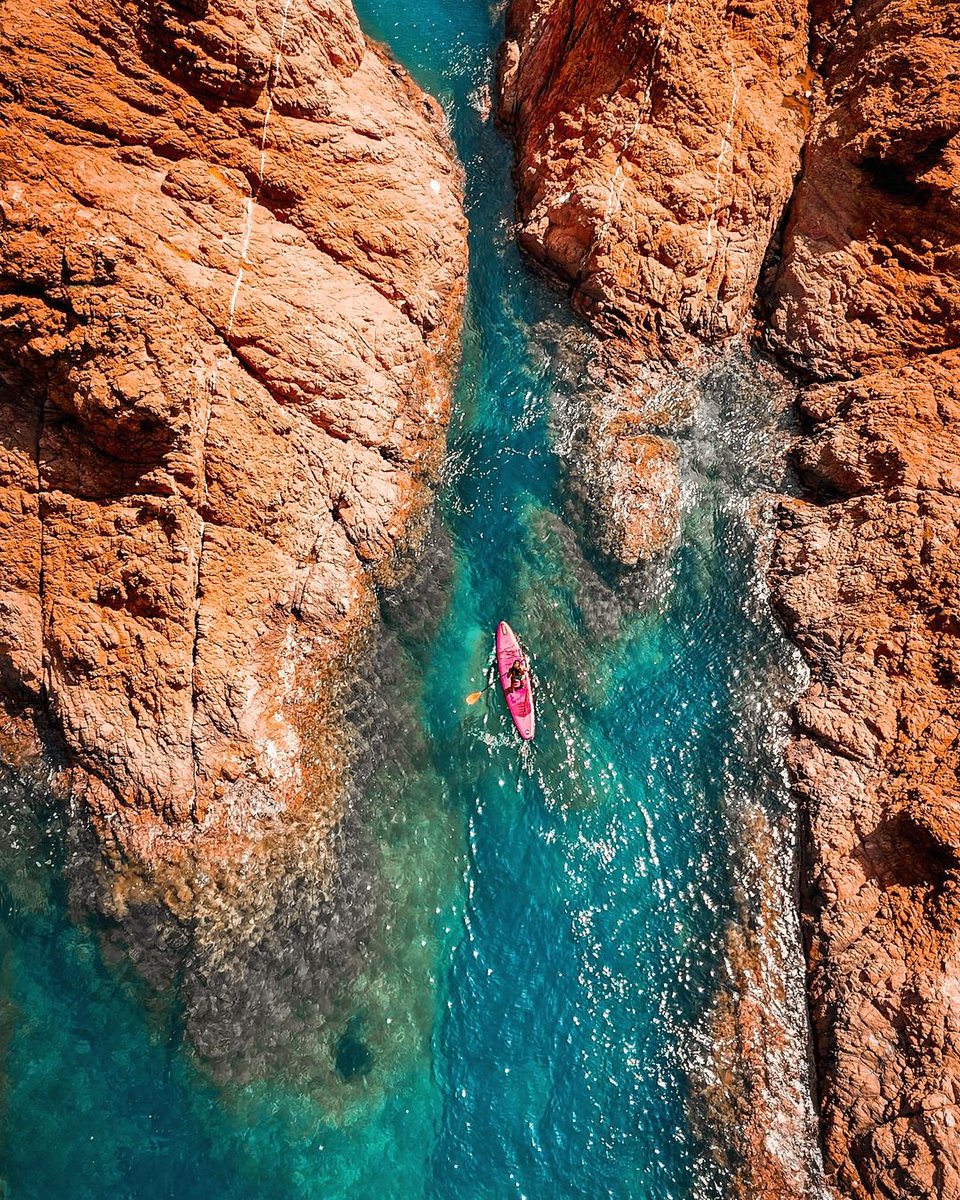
[{"x": 232, "y": 251}]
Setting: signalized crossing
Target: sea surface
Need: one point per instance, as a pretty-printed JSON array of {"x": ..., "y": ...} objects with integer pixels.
[{"x": 526, "y": 1009}]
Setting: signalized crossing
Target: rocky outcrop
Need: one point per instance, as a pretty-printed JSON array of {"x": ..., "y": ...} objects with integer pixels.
[
  {"x": 232, "y": 255},
  {"x": 867, "y": 306},
  {"x": 641, "y": 494},
  {"x": 657, "y": 145},
  {"x": 656, "y": 149},
  {"x": 869, "y": 276}
]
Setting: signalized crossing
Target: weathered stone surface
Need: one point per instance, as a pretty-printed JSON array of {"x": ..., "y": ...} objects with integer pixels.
[
  {"x": 657, "y": 145},
  {"x": 869, "y": 585},
  {"x": 639, "y": 496},
  {"x": 866, "y": 577},
  {"x": 232, "y": 254},
  {"x": 656, "y": 149},
  {"x": 869, "y": 274}
]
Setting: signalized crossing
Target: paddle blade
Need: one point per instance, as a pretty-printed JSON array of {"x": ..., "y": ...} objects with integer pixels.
[{"x": 474, "y": 697}]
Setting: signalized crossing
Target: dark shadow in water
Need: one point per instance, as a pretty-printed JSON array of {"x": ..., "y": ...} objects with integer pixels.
[
  {"x": 352, "y": 1056},
  {"x": 250, "y": 982}
]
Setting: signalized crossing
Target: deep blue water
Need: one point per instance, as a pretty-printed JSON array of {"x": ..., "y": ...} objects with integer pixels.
[{"x": 529, "y": 998}]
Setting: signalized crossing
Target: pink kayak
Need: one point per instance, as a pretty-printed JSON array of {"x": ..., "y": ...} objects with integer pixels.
[{"x": 519, "y": 697}]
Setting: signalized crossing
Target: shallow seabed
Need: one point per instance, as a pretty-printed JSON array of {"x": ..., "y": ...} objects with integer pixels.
[{"x": 541, "y": 930}]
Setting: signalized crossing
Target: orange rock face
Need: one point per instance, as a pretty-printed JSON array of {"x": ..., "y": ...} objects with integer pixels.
[
  {"x": 868, "y": 586},
  {"x": 869, "y": 276},
  {"x": 232, "y": 251},
  {"x": 640, "y": 494},
  {"x": 868, "y": 582},
  {"x": 657, "y": 144}
]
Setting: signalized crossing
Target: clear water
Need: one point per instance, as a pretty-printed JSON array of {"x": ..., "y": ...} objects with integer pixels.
[{"x": 527, "y": 1001}]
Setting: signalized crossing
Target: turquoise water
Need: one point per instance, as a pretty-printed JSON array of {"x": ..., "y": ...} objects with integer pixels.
[{"x": 529, "y": 938}]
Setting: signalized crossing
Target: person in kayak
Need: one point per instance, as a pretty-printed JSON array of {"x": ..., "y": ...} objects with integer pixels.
[{"x": 516, "y": 675}]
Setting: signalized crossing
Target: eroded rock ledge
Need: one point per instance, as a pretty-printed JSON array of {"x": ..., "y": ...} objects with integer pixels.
[
  {"x": 232, "y": 254},
  {"x": 657, "y": 146}
]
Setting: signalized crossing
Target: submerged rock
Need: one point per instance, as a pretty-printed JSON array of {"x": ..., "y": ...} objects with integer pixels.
[
  {"x": 755, "y": 1084},
  {"x": 639, "y": 503},
  {"x": 233, "y": 251}
]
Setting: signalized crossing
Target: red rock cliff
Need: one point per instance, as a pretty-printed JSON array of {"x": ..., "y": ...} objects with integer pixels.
[
  {"x": 867, "y": 303},
  {"x": 231, "y": 262},
  {"x": 657, "y": 142}
]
